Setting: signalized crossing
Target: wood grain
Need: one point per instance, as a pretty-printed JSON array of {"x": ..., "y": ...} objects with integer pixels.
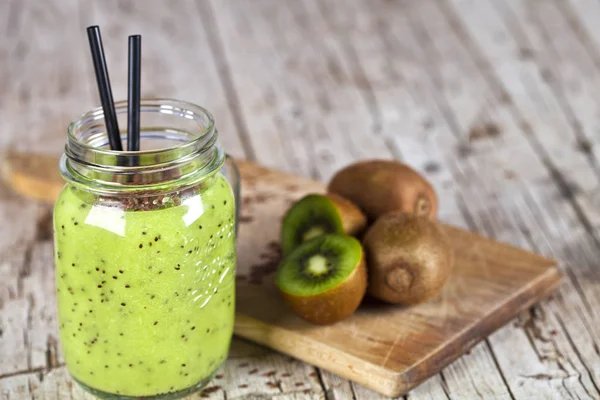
[
  {"x": 493, "y": 101},
  {"x": 388, "y": 349}
]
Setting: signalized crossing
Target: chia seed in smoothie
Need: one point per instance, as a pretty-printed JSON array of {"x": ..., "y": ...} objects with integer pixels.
[{"x": 146, "y": 290}]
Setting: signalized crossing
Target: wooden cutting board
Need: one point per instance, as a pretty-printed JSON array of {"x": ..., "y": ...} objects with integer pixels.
[{"x": 388, "y": 349}]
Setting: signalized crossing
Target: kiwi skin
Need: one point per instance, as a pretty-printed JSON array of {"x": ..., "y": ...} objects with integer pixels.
[
  {"x": 409, "y": 258},
  {"x": 353, "y": 219},
  {"x": 335, "y": 304},
  {"x": 381, "y": 186}
]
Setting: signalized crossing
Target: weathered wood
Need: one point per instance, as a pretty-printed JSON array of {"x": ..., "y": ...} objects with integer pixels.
[
  {"x": 506, "y": 174},
  {"x": 37, "y": 178},
  {"x": 392, "y": 348},
  {"x": 338, "y": 388},
  {"x": 471, "y": 83},
  {"x": 460, "y": 146},
  {"x": 577, "y": 380},
  {"x": 319, "y": 84},
  {"x": 177, "y": 58},
  {"x": 273, "y": 376},
  {"x": 27, "y": 87},
  {"x": 35, "y": 102},
  {"x": 404, "y": 116}
]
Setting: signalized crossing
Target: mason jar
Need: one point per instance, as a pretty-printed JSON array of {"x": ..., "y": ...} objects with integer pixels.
[{"x": 145, "y": 253}]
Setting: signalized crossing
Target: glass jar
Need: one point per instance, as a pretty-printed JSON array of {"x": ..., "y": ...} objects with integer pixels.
[{"x": 145, "y": 253}]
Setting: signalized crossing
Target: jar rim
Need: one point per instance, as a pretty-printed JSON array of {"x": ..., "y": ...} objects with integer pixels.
[
  {"x": 164, "y": 103},
  {"x": 193, "y": 155}
]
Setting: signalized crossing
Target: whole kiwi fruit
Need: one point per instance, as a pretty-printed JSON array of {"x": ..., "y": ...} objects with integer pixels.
[
  {"x": 409, "y": 258},
  {"x": 381, "y": 186},
  {"x": 317, "y": 214},
  {"x": 324, "y": 279}
]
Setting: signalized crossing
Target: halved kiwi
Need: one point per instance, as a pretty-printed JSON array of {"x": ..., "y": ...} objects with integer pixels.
[
  {"x": 324, "y": 279},
  {"x": 316, "y": 215}
]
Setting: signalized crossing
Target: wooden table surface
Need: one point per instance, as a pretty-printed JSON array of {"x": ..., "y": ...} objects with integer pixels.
[{"x": 495, "y": 101}]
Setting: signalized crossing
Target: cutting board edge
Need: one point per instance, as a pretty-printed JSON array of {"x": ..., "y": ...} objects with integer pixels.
[
  {"x": 250, "y": 328},
  {"x": 539, "y": 289},
  {"x": 397, "y": 383}
]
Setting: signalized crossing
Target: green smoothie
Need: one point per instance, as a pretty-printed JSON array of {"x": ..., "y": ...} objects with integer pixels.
[{"x": 146, "y": 290}]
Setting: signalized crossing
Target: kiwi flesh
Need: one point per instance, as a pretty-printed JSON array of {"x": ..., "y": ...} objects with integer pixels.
[
  {"x": 316, "y": 215},
  {"x": 324, "y": 279},
  {"x": 409, "y": 258},
  {"x": 381, "y": 186}
]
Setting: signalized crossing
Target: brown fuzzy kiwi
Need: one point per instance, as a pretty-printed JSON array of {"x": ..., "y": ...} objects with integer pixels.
[
  {"x": 325, "y": 279},
  {"x": 381, "y": 186},
  {"x": 409, "y": 258}
]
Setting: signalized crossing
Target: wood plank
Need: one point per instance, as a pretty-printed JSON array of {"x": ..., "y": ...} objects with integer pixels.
[
  {"x": 275, "y": 77},
  {"x": 170, "y": 76},
  {"x": 493, "y": 183},
  {"x": 57, "y": 91},
  {"x": 19, "y": 387},
  {"x": 569, "y": 58},
  {"x": 287, "y": 91},
  {"x": 60, "y": 91},
  {"x": 581, "y": 266},
  {"x": 426, "y": 147},
  {"x": 414, "y": 125},
  {"x": 501, "y": 280},
  {"x": 473, "y": 178},
  {"x": 247, "y": 43},
  {"x": 177, "y": 58},
  {"x": 175, "y": 85},
  {"x": 274, "y": 376},
  {"x": 582, "y": 15},
  {"x": 569, "y": 62},
  {"x": 338, "y": 388},
  {"x": 414, "y": 356},
  {"x": 495, "y": 162},
  {"x": 27, "y": 327}
]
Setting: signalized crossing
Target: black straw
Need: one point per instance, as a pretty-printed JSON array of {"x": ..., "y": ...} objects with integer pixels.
[
  {"x": 110, "y": 116},
  {"x": 133, "y": 93}
]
